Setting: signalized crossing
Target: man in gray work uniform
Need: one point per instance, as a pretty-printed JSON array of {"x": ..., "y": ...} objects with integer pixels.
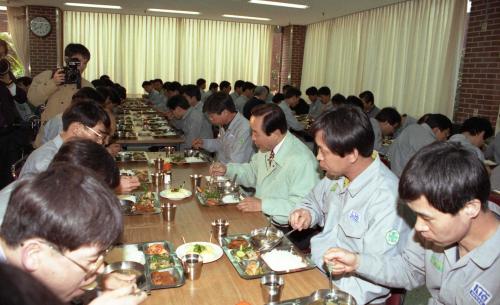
[
  {"x": 234, "y": 143},
  {"x": 356, "y": 203},
  {"x": 455, "y": 249}
]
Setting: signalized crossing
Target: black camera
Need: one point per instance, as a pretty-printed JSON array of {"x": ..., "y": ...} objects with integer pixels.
[{"x": 71, "y": 73}]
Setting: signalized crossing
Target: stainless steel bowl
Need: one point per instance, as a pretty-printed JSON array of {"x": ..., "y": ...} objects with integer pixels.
[
  {"x": 127, "y": 267},
  {"x": 265, "y": 238},
  {"x": 191, "y": 153},
  {"x": 126, "y": 205},
  {"x": 327, "y": 297}
]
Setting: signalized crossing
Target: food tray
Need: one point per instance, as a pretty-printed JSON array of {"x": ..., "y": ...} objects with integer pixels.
[
  {"x": 242, "y": 264},
  {"x": 202, "y": 199},
  {"x": 167, "y": 263},
  {"x": 129, "y": 156},
  {"x": 141, "y": 174},
  {"x": 127, "y": 210}
]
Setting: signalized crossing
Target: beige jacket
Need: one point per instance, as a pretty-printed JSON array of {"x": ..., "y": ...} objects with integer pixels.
[{"x": 44, "y": 89}]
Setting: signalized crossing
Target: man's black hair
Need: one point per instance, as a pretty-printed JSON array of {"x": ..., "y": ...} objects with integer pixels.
[
  {"x": 447, "y": 175},
  {"x": 218, "y": 102},
  {"x": 476, "y": 125},
  {"x": 73, "y": 49},
  {"x": 390, "y": 115},
  {"x": 178, "y": 101},
  {"x": 312, "y": 91},
  {"x": 345, "y": 129}
]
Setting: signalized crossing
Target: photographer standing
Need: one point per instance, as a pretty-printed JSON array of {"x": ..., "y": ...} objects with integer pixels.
[{"x": 55, "y": 88}]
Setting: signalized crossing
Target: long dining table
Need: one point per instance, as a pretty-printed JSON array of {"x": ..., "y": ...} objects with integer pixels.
[{"x": 219, "y": 282}]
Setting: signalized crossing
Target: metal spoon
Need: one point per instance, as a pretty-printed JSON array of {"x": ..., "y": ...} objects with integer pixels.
[{"x": 277, "y": 242}]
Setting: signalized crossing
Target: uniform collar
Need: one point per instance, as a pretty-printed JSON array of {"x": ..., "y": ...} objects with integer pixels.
[
  {"x": 362, "y": 180},
  {"x": 428, "y": 129},
  {"x": 488, "y": 252},
  {"x": 233, "y": 122},
  {"x": 188, "y": 113}
]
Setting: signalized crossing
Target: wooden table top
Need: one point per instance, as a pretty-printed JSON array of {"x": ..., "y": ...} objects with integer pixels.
[{"x": 219, "y": 283}]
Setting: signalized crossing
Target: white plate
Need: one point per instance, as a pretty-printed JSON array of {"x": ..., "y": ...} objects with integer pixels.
[
  {"x": 181, "y": 194},
  {"x": 194, "y": 160},
  {"x": 213, "y": 252},
  {"x": 128, "y": 197},
  {"x": 230, "y": 199}
]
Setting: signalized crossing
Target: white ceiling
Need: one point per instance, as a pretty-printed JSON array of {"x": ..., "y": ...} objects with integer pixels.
[{"x": 213, "y": 9}]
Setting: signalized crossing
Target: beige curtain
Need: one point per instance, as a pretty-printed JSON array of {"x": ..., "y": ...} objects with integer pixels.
[
  {"x": 131, "y": 48},
  {"x": 407, "y": 54},
  {"x": 16, "y": 18}
]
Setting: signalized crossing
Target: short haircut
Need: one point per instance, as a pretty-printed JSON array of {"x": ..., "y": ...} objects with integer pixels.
[
  {"x": 224, "y": 85},
  {"x": 158, "y": 80},
  {"x": 423, "y": 118},
  {"x": 350, "y": 100},
  {"x": 259, "y": 90},
  {"x": 438, "y": 120},
  {"x": 324, "y": 91},
  {"x": 191, "y": 91},
  {"x": 105, "y": 77},
  {"x": 291, "y": 92},
  {"x": 98, "y": 83},
  {"x": 67, "y": 206},
  {"x": 285, "y": 88},
  {"x": 200, "y": 81},
  {"x": 389, "y": 115},
  {"x": 172, "y": 86},
  {"x": 248, "y": 86},
  {"x": 213, "y": 86},
  {"x": 278, "y": 98},
  {"x": 88, "y": 94},
  {"x": 274, "y": 118},
  {"x": 146, "y": 83},
  {"x": 88, "y": 154},
  {"x": 367, "y": 96},
  {"x": 86, "y": 113},
  {"x": 239, "y": 83},
  {"x": 218, "y": 102},
  {"x": 338, "y": 99},
  {"x": 178, "y": 101},
  {"x": 114, "y": 95},
  {"x": 73, "y": 49},
  {"x": 20, "y": 287},
  {"x": 25, "y": 80},
  {"x": 312, "y": 91},
  {"x": 345, "y": 129},
  {"x": 122, "y": 92},
  {"x": 476, "y": 125},
  {"x": 447, "y": 175}
]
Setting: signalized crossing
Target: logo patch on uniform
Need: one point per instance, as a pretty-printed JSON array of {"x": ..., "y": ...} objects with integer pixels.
[
  {"x": 354, "y": 216},
  {"x": 480, "y": 294},
  {"x": 392, "y": 237}
]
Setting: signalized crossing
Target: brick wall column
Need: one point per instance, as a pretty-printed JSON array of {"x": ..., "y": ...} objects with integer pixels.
[
  {"x": 293, "y": 39},
  {"x": 479, "y": 94},
  {"x": 43, "y": 50}
]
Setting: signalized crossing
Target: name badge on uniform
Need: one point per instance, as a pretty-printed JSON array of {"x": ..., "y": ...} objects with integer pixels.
[
  {"x": 354, "y": 216},
  {"x": 392, "y": 237},
  {"x": 480, "y": 294}
]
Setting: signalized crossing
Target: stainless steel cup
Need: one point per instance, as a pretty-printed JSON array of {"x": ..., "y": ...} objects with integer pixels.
[
  {"x": 169, "y": 151},
  {"x": 157, "y": 179},
  {"x": 195, "y": 182},
  {"x": 158, "y": 164},
  {"x": 168, "y": 211},
  {"x": 271, "y": 285},
  {"x": 192, "y": 264},
  {"x": 219, "y": 229}
]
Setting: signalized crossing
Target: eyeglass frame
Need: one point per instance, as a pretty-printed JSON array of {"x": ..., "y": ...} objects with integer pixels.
[
  {"x": 89, "y": 272},
  {"x": 100, "y": 136}
]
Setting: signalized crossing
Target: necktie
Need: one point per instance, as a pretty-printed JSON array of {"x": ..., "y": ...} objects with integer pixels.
[{"x": 271, "y": 158}]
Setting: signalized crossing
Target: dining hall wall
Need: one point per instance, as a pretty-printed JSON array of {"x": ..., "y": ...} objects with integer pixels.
[
  {"x": 479, "y": 91},
  {"x": 44, "y": 50}
]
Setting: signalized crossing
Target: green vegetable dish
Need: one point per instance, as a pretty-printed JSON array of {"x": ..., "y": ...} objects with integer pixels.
[{"x": 160, "y": 262}]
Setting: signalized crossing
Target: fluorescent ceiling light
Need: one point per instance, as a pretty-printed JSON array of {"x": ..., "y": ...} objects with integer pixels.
[
  {"x": 276, "y": 3},
  {"x": 173, "y": 11},
  {"x": 246, "y": 17},
  {"x": 3, "y": 8},
  {"x": 114, "y": 7}
]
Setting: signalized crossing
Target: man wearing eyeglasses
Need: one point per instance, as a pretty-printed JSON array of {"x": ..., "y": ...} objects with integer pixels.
[
  {"x": 61, "y": 244},
  {"x": 82, "y": 120}
]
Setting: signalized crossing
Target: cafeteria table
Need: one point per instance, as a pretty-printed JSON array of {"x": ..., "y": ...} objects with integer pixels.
[{"x": 219, "y": 282}]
